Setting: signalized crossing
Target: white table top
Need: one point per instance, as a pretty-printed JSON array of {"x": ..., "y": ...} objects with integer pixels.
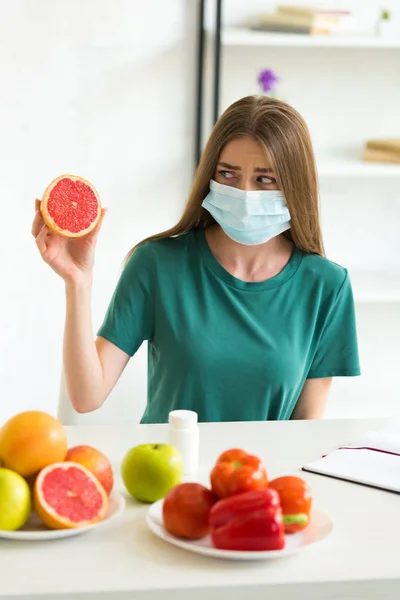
[{"x": 359, "y": 559}]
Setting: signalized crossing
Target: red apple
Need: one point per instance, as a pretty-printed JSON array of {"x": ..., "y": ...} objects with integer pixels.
[
  {"x": 186, "y": 510},
  {"x": 96, "y": 462}
]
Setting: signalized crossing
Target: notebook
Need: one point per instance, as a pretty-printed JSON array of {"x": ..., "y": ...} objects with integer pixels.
[{"x": 372, "y": 460}]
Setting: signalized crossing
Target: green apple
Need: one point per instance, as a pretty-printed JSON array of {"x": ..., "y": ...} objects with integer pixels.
[
  {"x": 149, "y": 471},
  {"x": 15, "y": 500}
]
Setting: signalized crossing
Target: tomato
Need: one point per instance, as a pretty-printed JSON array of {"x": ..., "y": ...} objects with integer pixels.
[
  {"x": 186, "y": 510},
  {"x": 296, "y": 500},
  {"x": 236, "y": 472}
]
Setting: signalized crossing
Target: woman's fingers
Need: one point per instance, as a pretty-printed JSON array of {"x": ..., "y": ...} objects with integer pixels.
[
  {"x": 38, "y": 220},
  {"x": 41, "y": 238},
  {"x": 37, "y": 224}
]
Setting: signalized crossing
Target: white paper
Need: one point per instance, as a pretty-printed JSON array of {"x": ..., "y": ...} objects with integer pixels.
[
  {"x": 392, "y": 426},
  {"x": 357, "y": 463},
  {"x": 380, "y": 440}
]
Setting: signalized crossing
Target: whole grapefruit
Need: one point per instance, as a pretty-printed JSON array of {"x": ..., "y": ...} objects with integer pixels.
[
  {"x": 32, "y": 440},
  {"x": 96, "y": 462}
]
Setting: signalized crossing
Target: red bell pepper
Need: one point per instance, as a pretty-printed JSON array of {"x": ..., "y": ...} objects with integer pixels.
[
  {"x": 236, "y": 472},
  {"x": 251, "y": 521}
]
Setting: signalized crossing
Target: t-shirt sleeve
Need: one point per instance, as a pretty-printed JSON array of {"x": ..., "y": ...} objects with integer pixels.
[
  {"x": 129, "y": 319},
  {"x": 337, "y": 350}
]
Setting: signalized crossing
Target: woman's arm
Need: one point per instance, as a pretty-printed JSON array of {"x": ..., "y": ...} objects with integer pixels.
[
  {"x": 92, "y": 368},
  {"x": 313, "y": 398}
]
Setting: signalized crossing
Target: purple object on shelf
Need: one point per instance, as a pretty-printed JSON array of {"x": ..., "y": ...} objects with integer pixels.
[{"x": 267, "y": 80}]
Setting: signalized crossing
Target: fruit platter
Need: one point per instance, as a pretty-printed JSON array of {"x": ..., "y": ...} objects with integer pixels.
[
  {"x": 48, "y": 490},
  {"x": 240, "y": 515}
]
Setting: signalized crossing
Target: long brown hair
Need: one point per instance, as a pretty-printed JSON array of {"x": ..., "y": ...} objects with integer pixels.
[{"x": 280, "y": 129}]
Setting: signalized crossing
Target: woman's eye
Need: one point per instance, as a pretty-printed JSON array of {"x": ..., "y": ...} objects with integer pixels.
[
  {"x": 267, "y": 180},
  {"x": 226, "y": 174}
]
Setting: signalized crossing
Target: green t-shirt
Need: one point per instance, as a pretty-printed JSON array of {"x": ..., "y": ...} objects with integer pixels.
[{"x": 228, "y": 349}]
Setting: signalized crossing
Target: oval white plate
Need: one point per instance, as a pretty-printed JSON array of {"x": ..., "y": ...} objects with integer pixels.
[
  {"x": 35, "y": 530},
  {"x": 319, "y": 527}
]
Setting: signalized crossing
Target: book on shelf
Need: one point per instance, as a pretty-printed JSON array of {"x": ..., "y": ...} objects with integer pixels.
[
  {"x": 372, "y": 460},
  {"x": 311, "y": 21},
  {"x": 382, "y": 151},
  {"x": 292, "y": 23},
  {"x": 331, "y": 14},
  {"x": 385, "y": 144}
]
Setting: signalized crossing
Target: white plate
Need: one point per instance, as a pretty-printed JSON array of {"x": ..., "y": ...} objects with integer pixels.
[
  {"x": 35, "y": 530},
  {"x": 319, "y": 527}
]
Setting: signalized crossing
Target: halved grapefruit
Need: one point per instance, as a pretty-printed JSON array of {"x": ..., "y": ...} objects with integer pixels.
[
  {"x": 71, "y": 206},
  {"x": 68, "y": 495}
]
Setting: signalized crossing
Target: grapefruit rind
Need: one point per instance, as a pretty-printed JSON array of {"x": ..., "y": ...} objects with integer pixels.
[
  {"x": 49, "y": 515},
  {"x": 49, "y": 221}
]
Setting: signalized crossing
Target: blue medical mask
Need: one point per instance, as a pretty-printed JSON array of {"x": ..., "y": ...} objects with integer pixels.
[{"x": 248, "y": 217}]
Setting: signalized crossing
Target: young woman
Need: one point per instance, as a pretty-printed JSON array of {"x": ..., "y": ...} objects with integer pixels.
[{"x": 244, "y": 316}]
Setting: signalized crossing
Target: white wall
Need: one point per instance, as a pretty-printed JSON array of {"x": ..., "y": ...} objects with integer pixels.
[
  {"x": 101, "y": 88},
  {"x": 105, "y": 89}
]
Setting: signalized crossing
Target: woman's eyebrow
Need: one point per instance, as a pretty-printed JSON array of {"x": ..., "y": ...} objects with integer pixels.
[
  {"x": 236, "y": 168},
  {"x": 227, "y": 166},
  {"x": 263, "y": 170}
]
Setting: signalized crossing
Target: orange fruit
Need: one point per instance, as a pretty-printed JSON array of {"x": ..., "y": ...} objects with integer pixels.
[
  {"x": 71, "y": 206},
  {"x": 32, "y": 440},
  {"x": 67, "y": 495},
  {"x": 96, "y": 462}
]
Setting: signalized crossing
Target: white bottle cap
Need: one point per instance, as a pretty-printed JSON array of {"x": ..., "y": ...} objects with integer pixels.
[{"x": 183, "y": 419}]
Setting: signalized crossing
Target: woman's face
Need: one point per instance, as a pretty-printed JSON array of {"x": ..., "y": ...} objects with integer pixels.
[{"x": 243, "y": 164}]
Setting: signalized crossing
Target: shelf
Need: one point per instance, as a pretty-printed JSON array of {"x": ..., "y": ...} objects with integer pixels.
[
  {"x": 375, "y": 286},
  {"x": 351, "y": 167},
  {"x": 247, "y": 37}
]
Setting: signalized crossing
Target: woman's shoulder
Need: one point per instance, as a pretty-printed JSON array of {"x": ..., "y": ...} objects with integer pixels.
[
  {"x": 329, "y": 274},
  {"x": 162, "y": 249}
]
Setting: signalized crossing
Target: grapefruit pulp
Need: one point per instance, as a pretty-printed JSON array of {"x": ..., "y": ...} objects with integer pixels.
[
  {"x": 71, "y": 206},
  {"x": 68, "y": 495},
  {"x": 32, "y": 440}
]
